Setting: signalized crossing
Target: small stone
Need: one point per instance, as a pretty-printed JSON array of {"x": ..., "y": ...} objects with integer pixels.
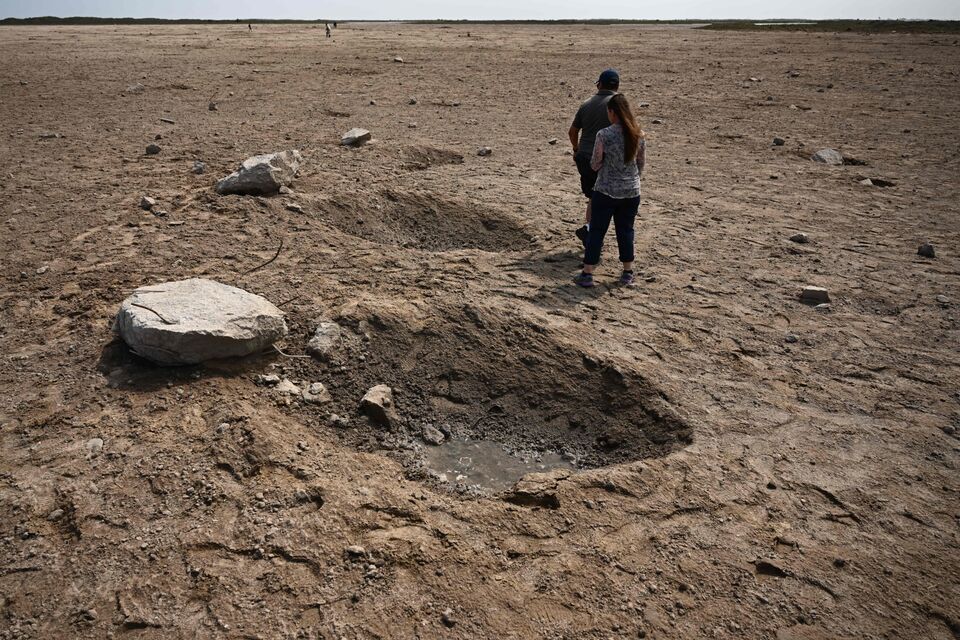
[
  {"x": 484, "y": 151},
  {"x": 791, "y": 338},
  {"x": 316, "y": 393},
  {"x": 267, "y": 380},
  {"x": 926, "y": 250},
  {"x": 42, "y": 270},
  {"x": 656, "y": 121},
  {"x": 212, "y": 106},
  {"x": 800, "y": 238},
  {"x": 867, "y": 182},
  {"x": 167, "y": 121},
  {"x": 823, "y": 308},
  {"x": 942, "y": 299},
  {"x": 552, "y": 141},
  {"x": 814, "y": 295},
  {"x": 828, "y": 156},
  {"x": 432, "y": 435},
  {"x": 147, "y": 203},
  {"x": 643, "y": 105},
  {"x": 262, "y": 175},
  {"x": 294, "y": 207},
  {"x": 377, "y": 404},
  {"x": 412, "y": 101},
  {"x": 398, "y": 59},
  {"x": 411, "y": 125},
  {"x": 153, "y": 149},
  {"x": 55, "y": 515},
  {"x": 447, "y": 618},
  {"x": 94, "y": 446},
  {"x": 341, "y": 422},
  {"x": 373, "y": 103},
  {"x": 135, "y": 88},
  {"x": 198, "y": 168},
  {"x": 326, "y": 338},
  {"x": 779, "y": 142},
  {"x": 355, "y": 137},
  {"x": 356, "y": 550},
  {"x": 287, "y": 387}
]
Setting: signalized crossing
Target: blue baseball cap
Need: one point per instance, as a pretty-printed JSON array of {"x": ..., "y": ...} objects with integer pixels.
[{"x": 608, "y": 77}]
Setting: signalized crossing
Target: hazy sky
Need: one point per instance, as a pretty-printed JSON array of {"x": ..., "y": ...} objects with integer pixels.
[{"x": 485, "y": 9}]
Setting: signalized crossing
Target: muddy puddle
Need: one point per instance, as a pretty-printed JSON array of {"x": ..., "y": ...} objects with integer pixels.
[{"x": 486, "y": 465}]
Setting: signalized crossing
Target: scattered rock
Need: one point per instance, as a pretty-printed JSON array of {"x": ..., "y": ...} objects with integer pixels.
[
  {"x": 294, "y": 207},
  {"x": 398, "y": 59},
  {"x": 167, "y": 121},
  {"x": 199, "y": 168},
  {"x": 325, "y": 340},
  {"x": 814, "y": 295},
  {"x": 153, "y": 149},
  {"x": 800, "y": 238},
  {"x": 42, "y": 270},
  {"x": 355, "y": 137},
  {"x": 377, "y": 404},
  {"x": 926, "y": 250},
  {"x": 432, "y": 435},
  {"x": 373, "y": 103},
  {"x": 484, "y": 151},
  {"x": 267, "y": 380},
  {"x": 867, "y": 182},
  {"x": 411, "y": 125},
  {"x": 94, "y": 446},
  {"x": 55, "y": 515},
  {"x": 791, "y": 338},
  {"x": 287, "y": 387},
  {"x": 316, "y": 393},
  {"x": 356, "y": 551},
  {"x": 412, "y": 101},
  {"x": 656, "y": 121},
  {"x": 263, "y": 174},
  {"x": 50, "y": 136},
  {"x": 212, "y": 106},
  {"x": 942, "y": 299},
  {"x": 779, "y": 142},
  {"x": 552, "y": 141},
  {"x": 828, "y": 156},
  {"x": 135, "y": 88},
  {"x": 190, "y": 321},
  {"x": 793, "y": 73},
  {"x": 447, "y": 618},
  {"x": 147, "y": 203},
  {"x": 823, "y": 308},
  {"x": 643, "y": 105},
  {"x": 537, "y": 489}
]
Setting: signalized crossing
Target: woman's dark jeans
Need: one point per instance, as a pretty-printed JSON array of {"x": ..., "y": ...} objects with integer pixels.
[{"x": 623, "y": 211}]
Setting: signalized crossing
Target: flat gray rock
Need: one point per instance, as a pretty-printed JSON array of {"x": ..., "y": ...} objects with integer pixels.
[
  {"x": 377, "y": 405},
  {"x": 262, "y": 175},
  {"x": 814, "y": 295},
  {"x": 828, "y": 156},
  {"x": 355, "y": 137},
  {"x": 190, "y": 321}
]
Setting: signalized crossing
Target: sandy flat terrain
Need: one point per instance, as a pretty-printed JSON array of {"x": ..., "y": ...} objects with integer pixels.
[{"x": 741, "y": 465}]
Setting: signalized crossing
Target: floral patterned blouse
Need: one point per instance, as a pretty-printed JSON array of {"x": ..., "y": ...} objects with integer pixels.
[{"x": 616, "y": 178}]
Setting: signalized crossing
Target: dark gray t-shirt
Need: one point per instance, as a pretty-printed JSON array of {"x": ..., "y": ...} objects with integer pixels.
[{"x": 590, "y": 118}]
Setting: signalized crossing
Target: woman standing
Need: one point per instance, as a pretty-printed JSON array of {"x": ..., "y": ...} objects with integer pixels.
[{"x": 618, "y": 157}]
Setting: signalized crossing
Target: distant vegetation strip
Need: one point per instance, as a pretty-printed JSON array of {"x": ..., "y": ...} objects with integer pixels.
[
  {"x": 861, "y": 26},
  {"x": 81, "y": 20},
  {"x": 858, "y": 26}
]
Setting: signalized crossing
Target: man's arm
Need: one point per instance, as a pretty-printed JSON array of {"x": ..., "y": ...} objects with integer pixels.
[{"x": 574, "y": 134}]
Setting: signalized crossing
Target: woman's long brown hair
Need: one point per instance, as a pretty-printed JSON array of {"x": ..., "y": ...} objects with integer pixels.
[{"x": 632, "y": 133}]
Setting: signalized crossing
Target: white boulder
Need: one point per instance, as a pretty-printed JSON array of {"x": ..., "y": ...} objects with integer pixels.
[
  {"x": 262, "y": 175},
  {"x": 828, "y": 156},
  {"x": 190, "y": 321}
]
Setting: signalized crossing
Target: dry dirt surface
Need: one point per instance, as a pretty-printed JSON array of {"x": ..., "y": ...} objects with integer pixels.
[{"x": 745, "y": 466}]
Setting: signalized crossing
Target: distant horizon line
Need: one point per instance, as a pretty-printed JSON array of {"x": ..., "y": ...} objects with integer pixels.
[{"x": 92, "y": 19}]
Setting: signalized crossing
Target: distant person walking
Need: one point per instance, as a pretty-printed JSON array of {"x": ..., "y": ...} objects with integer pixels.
[
  {"x": 591, "y": 117},
  {"x": 619, "y": 155},
  {"x": 328, "y": 29}
]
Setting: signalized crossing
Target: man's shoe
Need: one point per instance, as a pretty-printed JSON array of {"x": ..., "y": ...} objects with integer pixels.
[
  {"x": 582, "y": 233},
  {"x": 584, "y": 279}
]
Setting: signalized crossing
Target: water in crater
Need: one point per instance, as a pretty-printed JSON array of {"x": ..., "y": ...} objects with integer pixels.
[{"x": 486, "y": 464}]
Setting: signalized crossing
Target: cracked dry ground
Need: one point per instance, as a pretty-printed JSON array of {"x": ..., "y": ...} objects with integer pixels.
[{"x": 808, "y": 489}]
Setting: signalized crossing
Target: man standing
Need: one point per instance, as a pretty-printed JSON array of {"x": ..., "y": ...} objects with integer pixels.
[{"x": 590, "y": 118}]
